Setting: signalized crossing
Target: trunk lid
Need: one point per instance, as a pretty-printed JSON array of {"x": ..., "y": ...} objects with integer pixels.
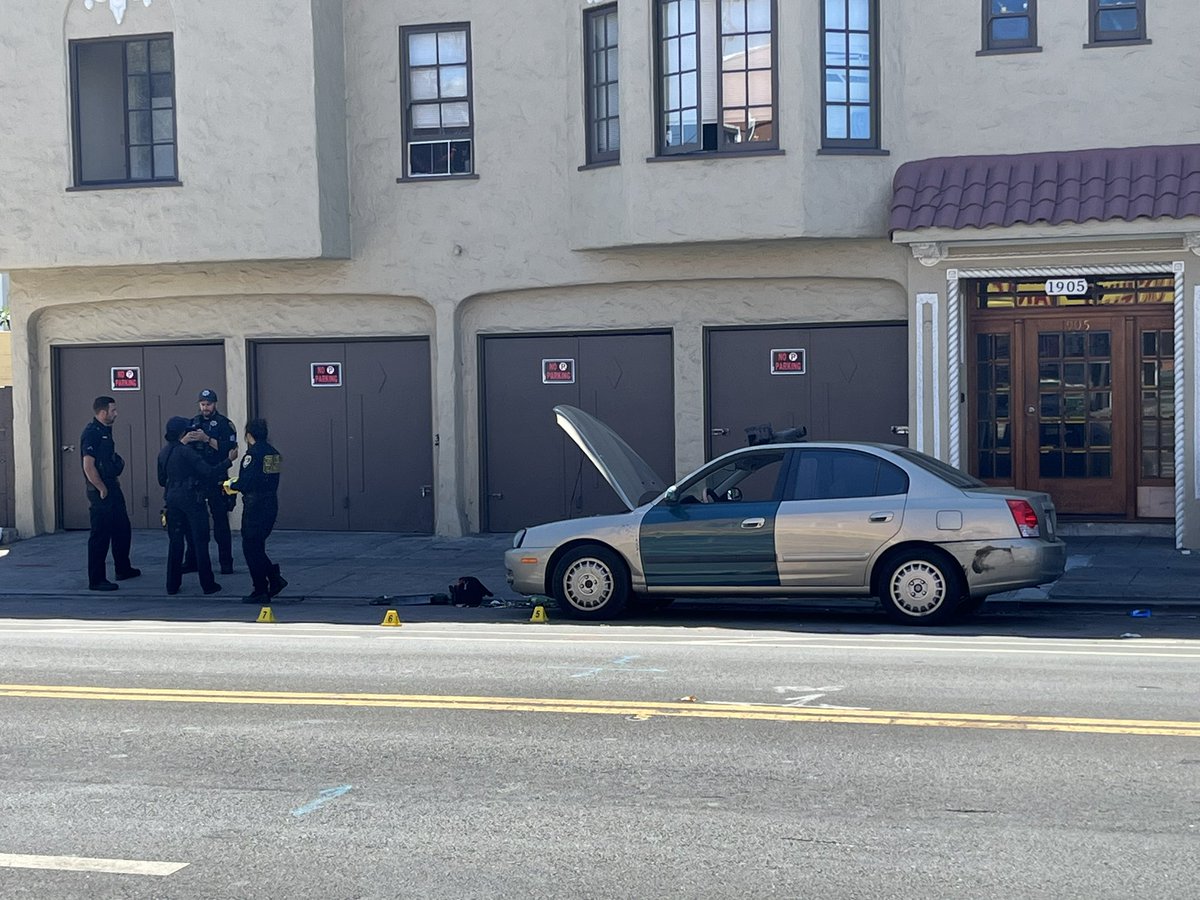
[{"x": 1041, "y": 502}]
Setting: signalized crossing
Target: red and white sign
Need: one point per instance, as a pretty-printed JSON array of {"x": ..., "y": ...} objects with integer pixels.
[
  {"x": 127, "y": 378},
  {"x": 788, "y": 362},
  {"x": 558, "y": 371},
  {"x": 327, "y": 374}
]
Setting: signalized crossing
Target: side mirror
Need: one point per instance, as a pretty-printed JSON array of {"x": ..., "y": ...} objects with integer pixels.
[{"x": 672, "y": 494}]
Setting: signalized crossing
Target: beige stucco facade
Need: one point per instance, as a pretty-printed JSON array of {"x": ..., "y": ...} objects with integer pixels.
[{"x": 290, "y": 220}]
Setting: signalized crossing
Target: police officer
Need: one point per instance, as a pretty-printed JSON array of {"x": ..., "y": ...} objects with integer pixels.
[
  {"x": 258, "y": 483},
  {"x": 102, "y": 467},
  {"x": 187, "y": 478},
  {"x": 218, "y": 446}
]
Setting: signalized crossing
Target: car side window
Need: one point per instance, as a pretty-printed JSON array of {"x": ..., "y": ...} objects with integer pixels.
[
  {"x": 838, "y": 474},
  {"x": 747, "y": 478}
]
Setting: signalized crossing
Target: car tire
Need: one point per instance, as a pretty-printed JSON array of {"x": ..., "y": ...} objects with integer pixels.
[
  {"x": 922, "y": 587},
  {"x": 591, "y": 582}
]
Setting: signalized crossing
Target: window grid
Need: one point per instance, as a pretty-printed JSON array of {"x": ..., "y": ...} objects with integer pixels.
[
  {"x": 601, "y": 63},
  {"x": 679, "y": 84},
  {"x": 850, "y": 86},
  {"x": 993, "y": 397},
  {"x": 436, "y": 93},
  {"x": 147, "y": 111},
  {"x": 1117, "y": 20},
  {"x": 747, "y": 84},
  {"x": 1157, "y": 374},
  {"x": 1009, "y": 24}
]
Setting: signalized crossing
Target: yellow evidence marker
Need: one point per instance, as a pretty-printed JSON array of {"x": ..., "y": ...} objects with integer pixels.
[
  {"x": 539, "y": 615},
  {"x": 391, "y": 618},
  {"x": 265, "y": 615}
]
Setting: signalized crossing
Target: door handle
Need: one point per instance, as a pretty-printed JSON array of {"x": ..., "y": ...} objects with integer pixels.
[
  {"x": 719, "y": 432},
  {"x": 754, "y": 523},
  {"x": 880, "y": 517},
  {"x": 426, "y": 490},
  {"x": 68, "y": 448},
  {"x": 496, "y": 495}
]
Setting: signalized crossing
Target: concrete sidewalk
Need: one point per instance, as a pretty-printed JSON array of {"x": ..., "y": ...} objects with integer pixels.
[{"x": 330, "y": 572}]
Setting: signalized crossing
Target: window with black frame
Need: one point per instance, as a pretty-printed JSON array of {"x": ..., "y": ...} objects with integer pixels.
[
  {"x": 716, "y": 69},
  {"x": 602, "y": 85},
  {"x": 1117, "y": 21},
  {"x": 123, "y": 120},
  {"x": 850, "y": 59},
  {"x": 1009, "y": 24},
  {"x": 435, "y": 62}
]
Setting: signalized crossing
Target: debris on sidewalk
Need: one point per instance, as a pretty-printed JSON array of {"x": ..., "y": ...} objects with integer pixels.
[
  {"x": 1140, "y": 613},
  {"x": 1130, "y": 634},
  {"x": 468, "y": 591}
]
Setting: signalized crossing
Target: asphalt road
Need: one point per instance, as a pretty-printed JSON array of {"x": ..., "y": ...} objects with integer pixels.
[{"x": 1019, "y": 757}]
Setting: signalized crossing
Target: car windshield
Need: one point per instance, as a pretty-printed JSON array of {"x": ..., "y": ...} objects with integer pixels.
[{"x": 947, "y": 473}]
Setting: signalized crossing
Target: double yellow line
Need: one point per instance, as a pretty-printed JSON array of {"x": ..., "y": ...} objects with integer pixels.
[{"x": 632, "y": 709}]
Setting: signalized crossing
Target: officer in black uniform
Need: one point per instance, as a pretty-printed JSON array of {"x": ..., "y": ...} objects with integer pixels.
[
  {"x": 102, "y": 467},
  {"x": 258, "y": 483},
  {"x": 187, "y": 478},
  {"x": 220, "y": 446}
]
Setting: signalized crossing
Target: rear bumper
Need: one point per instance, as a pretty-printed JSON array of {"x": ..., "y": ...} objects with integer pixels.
[
  {"x": 994, "y": 566},
  {"x": 526, "y": 569}
]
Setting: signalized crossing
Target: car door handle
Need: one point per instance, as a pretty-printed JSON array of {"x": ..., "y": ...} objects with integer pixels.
[
  {"x": 754, "y": 523},
  {"x": 880, "y": 517}
]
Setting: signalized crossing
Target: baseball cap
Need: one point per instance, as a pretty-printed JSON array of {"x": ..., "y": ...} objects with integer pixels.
[{"x": 209, "y": 395}]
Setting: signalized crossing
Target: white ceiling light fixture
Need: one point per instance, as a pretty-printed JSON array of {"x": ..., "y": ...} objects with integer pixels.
[{"x": 117, "y": 7}]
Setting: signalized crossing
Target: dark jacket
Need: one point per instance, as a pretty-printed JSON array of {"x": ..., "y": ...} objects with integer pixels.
[
  {"x": 219, "y": 427},
  {"x": 258, "y": 478},
  {"x": 184, "y": 474}
]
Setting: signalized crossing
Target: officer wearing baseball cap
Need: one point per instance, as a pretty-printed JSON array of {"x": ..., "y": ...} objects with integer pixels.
[{"x": 219, "y": 449}]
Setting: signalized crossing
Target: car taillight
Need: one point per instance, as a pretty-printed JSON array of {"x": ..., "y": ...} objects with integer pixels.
[{"x": 1026, "y": 518}]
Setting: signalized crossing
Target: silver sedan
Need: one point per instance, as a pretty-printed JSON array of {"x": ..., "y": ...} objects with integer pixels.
[{"x": 789, "y": 520}]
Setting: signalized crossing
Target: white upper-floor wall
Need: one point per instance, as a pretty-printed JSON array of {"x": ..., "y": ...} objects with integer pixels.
[{"x": 420, "y": 137}]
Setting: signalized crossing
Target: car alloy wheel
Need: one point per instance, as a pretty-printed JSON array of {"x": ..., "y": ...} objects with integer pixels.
[
  {"x": 591, "y": 582},
  {"x": 920, "y": 589}
]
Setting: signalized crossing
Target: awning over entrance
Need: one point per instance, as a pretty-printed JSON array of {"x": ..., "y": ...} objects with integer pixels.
[{"x": 1072, "y": 186}]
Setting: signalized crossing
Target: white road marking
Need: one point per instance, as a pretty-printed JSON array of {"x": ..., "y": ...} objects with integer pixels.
[{"x": 85, "y": 864}]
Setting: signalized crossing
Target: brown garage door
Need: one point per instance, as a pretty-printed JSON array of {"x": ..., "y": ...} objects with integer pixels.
[
  {"x": 358, "y": 456},
  {"x": 854, "y": 385},
  {"x": 8, "y": 496},
  {"x": 531, "y": 471},
  {"x": 169, "y": 378}
]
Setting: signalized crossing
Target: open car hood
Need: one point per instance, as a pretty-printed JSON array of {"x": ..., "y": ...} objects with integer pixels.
[{"x": 630, "y": 475}]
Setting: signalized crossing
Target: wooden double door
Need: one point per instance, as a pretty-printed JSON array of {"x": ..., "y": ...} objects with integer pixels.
[{"x": 1078, "y": 405}]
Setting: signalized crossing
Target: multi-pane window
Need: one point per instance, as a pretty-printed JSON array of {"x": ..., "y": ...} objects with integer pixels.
[
  {"x": 1009, "y": 24},
  {"x": 603, "y": 94},
  {"x": 1158, "y": 404},
  {"x": 716, "y": 66},
  {"x": 123, "y": 120},
  {"x": 436, "y": 92},
  {"x": 1117, "y": 20},
  {"x": 850, "y": 30}
]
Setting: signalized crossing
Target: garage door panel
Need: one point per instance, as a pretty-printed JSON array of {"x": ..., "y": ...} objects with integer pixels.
[
  {"x": 530, "y": 466},
  {"x": 627, "y": 381},
  {"x": 855, "y": 386},
  {"x": 308, "y": 427},
  {"x": 388, "y": 393}
]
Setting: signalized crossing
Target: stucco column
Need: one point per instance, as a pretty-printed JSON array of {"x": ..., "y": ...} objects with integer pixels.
[
  {"x": 29, "y": 442},
  {"x": 450, "y": 458},
  {"x": 689, "y": 399}
]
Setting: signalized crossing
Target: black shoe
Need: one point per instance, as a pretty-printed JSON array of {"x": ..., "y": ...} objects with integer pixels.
[
  {"x": 102, "y": 586},
  {"x": 172, "y": 591},
  {"x": 213, "y": 588},
  {"x": 125, "y": 576},
  {"x": 276, "y": 585},
  {"x": 261, "y": 599},
  {"x": 226, "y": 568},
  {"x": 188, "y": 569}
]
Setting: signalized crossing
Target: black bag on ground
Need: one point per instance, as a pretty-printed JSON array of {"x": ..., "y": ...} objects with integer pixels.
[{"x": 468, "y": 591}]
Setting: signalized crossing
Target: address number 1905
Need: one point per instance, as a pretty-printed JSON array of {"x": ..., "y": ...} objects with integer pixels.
[{"x": 1067, "y": 287}]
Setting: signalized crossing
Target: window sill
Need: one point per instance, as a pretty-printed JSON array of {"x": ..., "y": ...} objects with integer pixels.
[
  {"x": 1007, "y": 51},
  {"x": 714, "y": 154},
  {"x": 1136, "y": 42},
  {"x": 419, "y": 179},
  {"x": 604, "y": 164},
  {"x": 122, "y": 186},
  {"x": 853, "y": 151}
]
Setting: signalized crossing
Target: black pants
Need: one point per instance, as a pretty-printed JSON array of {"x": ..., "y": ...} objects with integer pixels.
[
  {"x": 110, "y": 527},
  {"x": 217, "y": 505},
  {"x": 182, "y": 523},
  {"x": 258, "y": 519}
]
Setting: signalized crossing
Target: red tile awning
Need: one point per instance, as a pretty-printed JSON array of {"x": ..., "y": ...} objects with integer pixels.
[{"x": 1072, "y": 186}]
